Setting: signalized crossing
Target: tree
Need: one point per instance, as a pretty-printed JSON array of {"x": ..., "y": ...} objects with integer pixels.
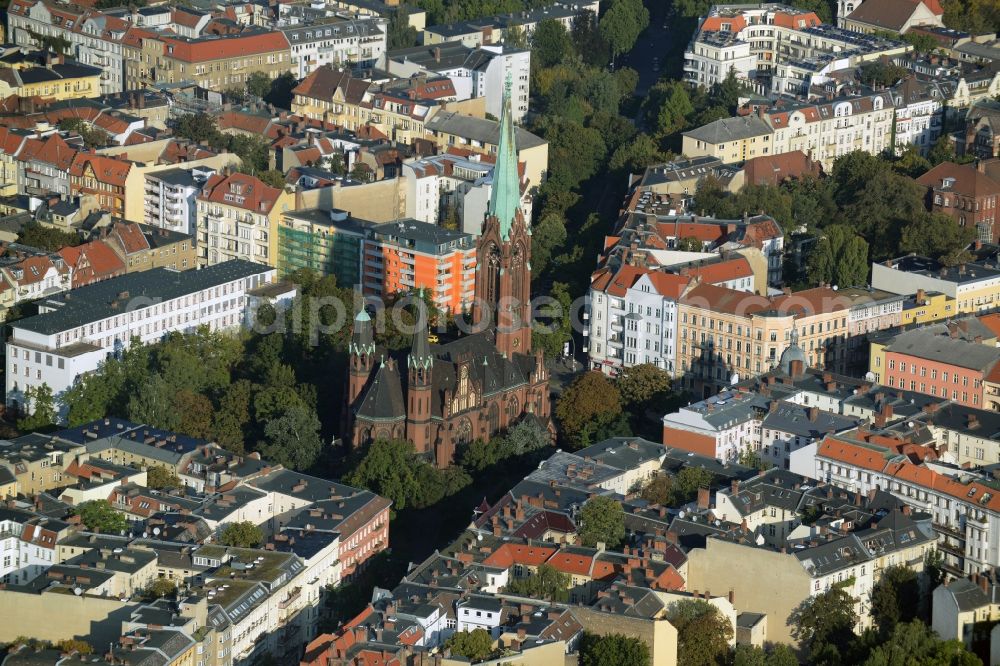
[
  {"x": 821, "y": 7},
  {"x": 550, "y": 43},
  {"x": 588, "y": 41},
  {"x": 703, "y": 634},
  {"x": 943, "y": 150},
  {"x": 668, "y": 107},
  {"x": 915, "y": 643},
  {"x": 936, "y": 235},
  {"x": 553, "y": 326},
  {"x": 911, "y": 163},
  {"x": 100, "y": 516},
  {"x": 601, "y": 520},
  {"x": 824, "y": 625},
  {"x": 549, "y": 233},
  {"x": 612, "y": 650},
  {"x": 779, "y": 655},
  {"x": 895, "y": 598},
  {"x": 273, "y": 178},
  {"x": 515, "y": 38},
  {"x": 622, "y": 24},
  {"x": 688, "y": 481},
  {"x": 160, "y": 587},
  {"x": 879, "y": 74},
  {"x": 399, "y": 33},
  {"x": 93, "y": 137},
  {"x": 159, "y": 477},
  {"x": 659, "y": 490},
  {"x": 71, "y": 645},
  {"x": 45, "y": 238},
  {"x": 475, "y": 645},
  {"x": 293, "y": 439},
  {"x": 641, "y": 384},
  {"x": 242, "y": 534},
  {"x": 387, "y": 469},
  {"x": 194, "y": 413},
  {"x": 258, "y": 84},
  {"x": 40, "y": 401},
  {"x": 153, "y": 404},
  {"x": 635, "y": 155},
  {"x": 546, "y": 583},
  {"x": 840, "y": 257},
  {"x": 198, "y": 127},
  {"x": 688, "y": 244},
  {"x": 230, "y": 418},
  {"x": 588, "y": 403},
  {"x": 921, "y": 43}
]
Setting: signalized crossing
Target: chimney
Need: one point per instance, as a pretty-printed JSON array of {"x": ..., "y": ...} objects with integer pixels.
[
  {"x": 704, "y": 497},
  {"x": 921, "y": 296},
  {"x": 796, "y": 368},
  {"x": 984, "y": 584},
  {"x": 735, "y": 486},
  {"x": 981, "y": 166},
  {"x": 732, "y": 596},
  {"x": 813, "y": 413},
  {"x": 907, "y": 510},
  {"x": 437, "y": 54}
]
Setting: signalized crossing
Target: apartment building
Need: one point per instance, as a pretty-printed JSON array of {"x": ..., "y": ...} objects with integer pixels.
[
  {"x": 92, "y": 262},
  {"x": 74, "y": 332},
  {"x": 970, "y": 287},
  {"x": 440, "y": 185},
  {"x": 357, "y": 42},
  {"x": 937, "y": 364},
  {"x": 52, "y": 79},
  {"x": 408, "y": 255},
  {"x": 963, "y": 504},
  {"x": 475, "y": 72},
  {"x": 824, "y": 131},
  {"x": 44, "y": 165},
  {"x": 327, "y": 242},
  {"x": 775, "y": 48},
  {"x": 491, "y": 29},
  {"x": 219, "y": 62},
  {"x": 898, "y": 16},
  {"x": 142, "y": 248},
  {"x": 919, "y": 114},
  {"x": 95, "y": 38},
  {"x": 967, "y": 194},
  {"x": 104, "y": 178},
  {"x": 171, "y": 198},
  {"x": 466, "y": 135},
  {"x": 238, "y": 217}
]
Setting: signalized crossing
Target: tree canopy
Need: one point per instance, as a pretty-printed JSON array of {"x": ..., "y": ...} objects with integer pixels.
[
  {"x": 475, "y": 645},
  {"x": 100, "y": 516},
  {"x": 601, "y": 520},
  {"x": 588, "y": 404},
  {"x": 612, "y": 650},
  {"x": 703, "y": 633},
  {"x": 243, "y": 534}
]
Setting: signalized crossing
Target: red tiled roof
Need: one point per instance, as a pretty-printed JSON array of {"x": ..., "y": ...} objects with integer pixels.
[
  {"x": 325, "y": 81},
  {"x": 722, "y": 299},
  {"x": 968, "y": 180},
  {"x": 102, "y": 259},
  {"x": 204, "y": 50},
  {"x": 510, "y": 554},
  {"x": 252, "y": 195},
  {"x": 52, "y": 150},
  {"x": 723, "y": 271},
  {"x": 105, "y": 169},
  {"x": 774, "y": 169},
  {"x": 130, "y": 237},
  {"x": 572, "y": 562}
]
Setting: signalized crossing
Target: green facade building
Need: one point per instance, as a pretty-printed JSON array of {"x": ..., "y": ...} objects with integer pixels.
[{"x": 326, "y": 241}]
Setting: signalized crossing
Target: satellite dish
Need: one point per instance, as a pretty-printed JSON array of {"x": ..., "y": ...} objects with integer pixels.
[
  {"x": 479, "y": 537},
  {"x": 156, "y": 531},
  {"x": 835, "y": 287},
  {"x": 869, "y": 376},
  {"x": 77, "y": 591},
  {"x": 680, "y": 514}
]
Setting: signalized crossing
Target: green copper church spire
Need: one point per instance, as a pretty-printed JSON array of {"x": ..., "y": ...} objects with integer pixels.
[{"x": 506, "y": 195}]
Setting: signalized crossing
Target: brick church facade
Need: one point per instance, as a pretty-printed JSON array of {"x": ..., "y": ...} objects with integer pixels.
[{"x": 441, "y": 396}]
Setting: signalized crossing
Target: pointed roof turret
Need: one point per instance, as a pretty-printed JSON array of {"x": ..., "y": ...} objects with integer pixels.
[
  {"x": 506, "y": 195},
  {"x": 420, "y": 351},
  {"x": 362, "y": 337}
]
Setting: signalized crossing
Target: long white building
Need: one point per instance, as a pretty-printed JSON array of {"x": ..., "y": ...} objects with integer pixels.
[{"x": 76, "y": 330}]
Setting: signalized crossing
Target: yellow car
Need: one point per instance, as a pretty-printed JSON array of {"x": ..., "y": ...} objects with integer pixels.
[{"x": 433, "y": 339}]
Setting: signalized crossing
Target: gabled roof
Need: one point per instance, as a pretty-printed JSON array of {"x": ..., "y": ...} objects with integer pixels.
[
  {"x": 105, "y": 169},
  {"x": 891, "y": 14},
  {"x": 325, "y": 81},
  {"x": 102, "y": 259},
  {"x": 242, "y": 191},
  {"x": 217, "y": 48},
  {"x": 725, "y": 130},
  {"x": 964, "y": 179},
  {"x": 130, "y": 237},
  {"x": 52, "y": 150}
]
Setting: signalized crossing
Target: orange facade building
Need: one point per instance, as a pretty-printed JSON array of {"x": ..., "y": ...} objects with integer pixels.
[{"x": 400, "y": 257}]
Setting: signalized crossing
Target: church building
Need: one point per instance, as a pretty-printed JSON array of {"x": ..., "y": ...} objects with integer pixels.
[{"x": 441, "y": 396}]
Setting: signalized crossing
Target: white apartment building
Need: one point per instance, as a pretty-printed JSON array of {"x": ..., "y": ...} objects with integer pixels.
[
  {"x": 439, "y": 182},
  {"x": 776, "y": 48},
  {"x": 96, "y": 37},
  {"x": 75, "y": 331},
  {"x": 171, "y": 199},
  {"x": 919, "y": 115},
  {"x": 633, "y": 319},
  {"x": 27, "y": 545},
  {"x": 721, "y": 427},
  {"x": 713, "y": 55},
  {"x": 965, "y": 509},
  {"x": 336, "y": 42},
  {"x": 475, "y": 72}
]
